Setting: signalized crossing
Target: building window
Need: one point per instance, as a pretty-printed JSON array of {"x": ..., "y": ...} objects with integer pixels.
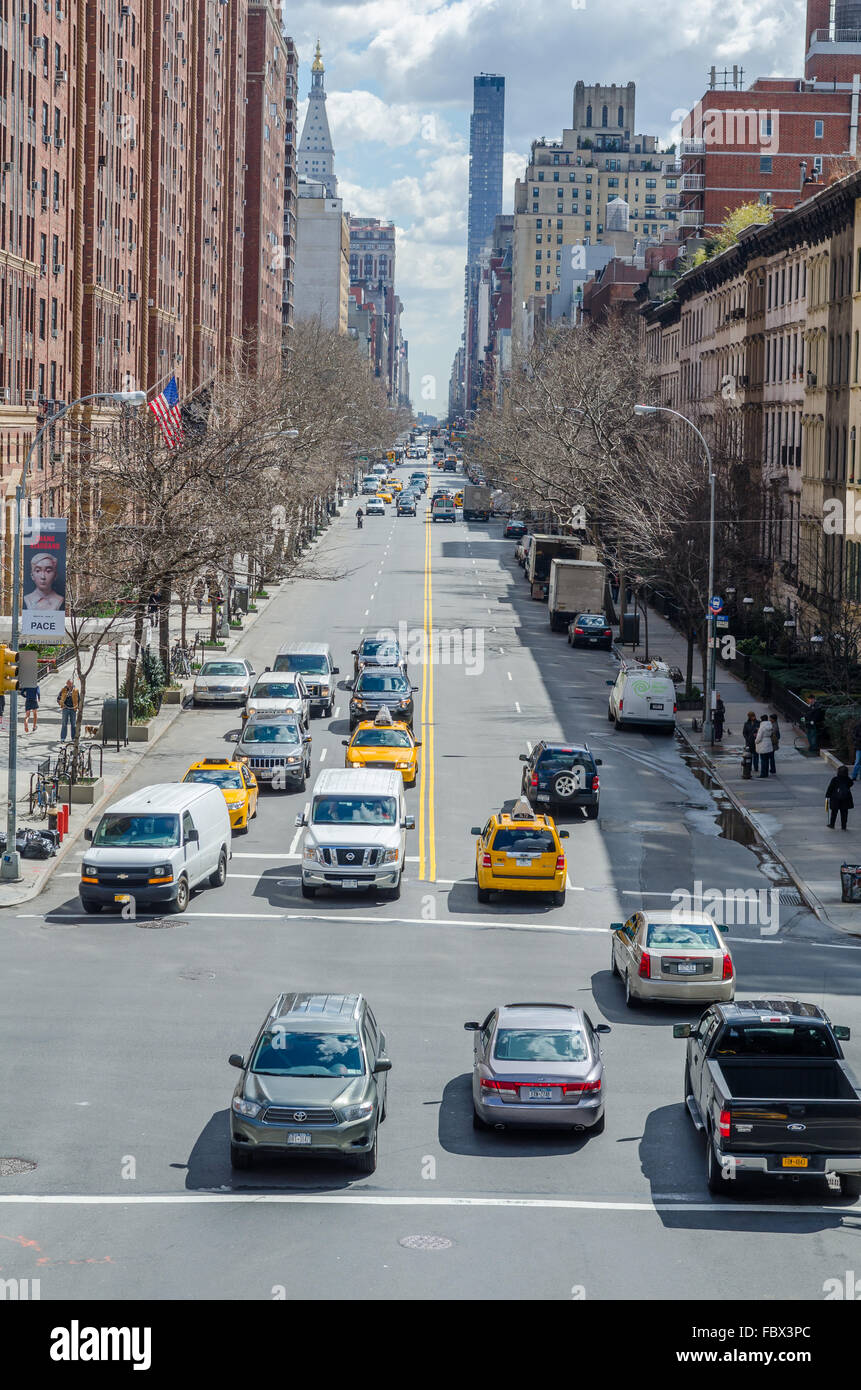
[
  {"x": 538, "y": 238},
  {"x": 559, "y": 224},
  {"x": 537, "y": 285},
  {"x": 588, "y": 115},
  {"x": 620, "y": 117},
  {"x": 556, "y": 178},
  {"x": 818, "y": 130},
  {"x": 651, "y": 183},
  {"x": 559, "y": 239},
  {"x": 672, "y": 183},
  {"x": 612, "y": 183},
  {"x": 604, "y": 115},
  {"x": 765, "y": 164},
  {"x": 588, "y": 178},
  {"x": 765, "y": 126},
  {"x": 538, "y": 222},
  {"x": 42, "y": 308},
  {"x": 651, "y": 198},
  {"x": 556, "y": 159},
  {"x": 572, "y": 178},
  {"x": 588, "y": 226},
  {"x": 541, "y": 176}
]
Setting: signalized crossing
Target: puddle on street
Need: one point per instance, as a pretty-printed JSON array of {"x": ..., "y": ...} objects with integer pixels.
[{"x": 732, "y": 824}]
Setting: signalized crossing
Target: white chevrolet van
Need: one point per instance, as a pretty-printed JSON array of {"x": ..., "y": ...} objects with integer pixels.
[
  {"x": 155, "y": 846},
  {"x": 643, "y": 694},
  {"x": 355, "y": 831}
]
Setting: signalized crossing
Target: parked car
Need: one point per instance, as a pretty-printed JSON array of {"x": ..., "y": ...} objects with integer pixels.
[
  {"x": 538, "y": 1065},
  {"x": 643, "y": 694},
  {"x": 590, "y": 630},
  {"x": 277, "y": 749},
  {"x": 767, "y": 1084},
  {"x": 562, "y": 774},
  {"x": 514, "y": 530},
  {"x": 355, "y": 831},
  {"x": 313, "y": 1082},
  {"x": 660, "y": 957},
  {"x": 522, "y": 549},
  {"x": 225, "y": 681}
]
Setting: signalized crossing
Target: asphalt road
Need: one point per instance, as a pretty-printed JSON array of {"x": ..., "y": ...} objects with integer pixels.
[{"x": 114, "y": 1037}]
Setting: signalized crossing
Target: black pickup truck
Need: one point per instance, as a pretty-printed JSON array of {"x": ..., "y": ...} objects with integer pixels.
[{"x": 766, "y": 1081}]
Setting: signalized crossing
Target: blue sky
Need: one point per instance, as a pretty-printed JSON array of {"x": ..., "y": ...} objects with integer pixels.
[{"x": 399, "y": 84}]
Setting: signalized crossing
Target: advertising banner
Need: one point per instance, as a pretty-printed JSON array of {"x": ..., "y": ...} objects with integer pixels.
[{"x": 44, "y": 580}]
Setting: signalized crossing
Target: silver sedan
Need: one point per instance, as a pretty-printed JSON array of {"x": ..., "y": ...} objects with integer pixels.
[
  {"x": 538, "y": 1064},
  {"x": 223, "y": 682}
]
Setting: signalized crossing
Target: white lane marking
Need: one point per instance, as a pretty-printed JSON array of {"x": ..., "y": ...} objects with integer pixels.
[
  {"x": 337, "y": 712},
  {"x": 528, "y": 746},
  {"x": 509, "y": 675},
  {"x": 367, "y": 611},
  {"x": 366, "y": 1199},
  {"x": 501, "y": 649},
  {"x": 517, "y": 707}
]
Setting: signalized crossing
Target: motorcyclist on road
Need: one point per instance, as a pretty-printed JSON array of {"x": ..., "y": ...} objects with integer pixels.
[{"x": 359, "y": 515}]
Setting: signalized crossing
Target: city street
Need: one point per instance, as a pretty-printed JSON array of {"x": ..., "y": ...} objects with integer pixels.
[{"x": 115, "y": 1037}]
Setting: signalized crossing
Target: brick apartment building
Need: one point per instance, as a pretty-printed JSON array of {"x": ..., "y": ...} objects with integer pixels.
[
  {"x": 765, "y": 141},
  {"x": 266, "y": 139}
]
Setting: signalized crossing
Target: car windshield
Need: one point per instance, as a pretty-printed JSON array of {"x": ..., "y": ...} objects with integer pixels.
[
  {"x": 305, "y": 665},
  {"x": 218, "y": 776},
  {"x": 370, "y": 683},
  {"x": 136, "y": 832},
  {"x": 541, "y": 1045},
  {"x": 270, "y": 733},
  {"x": 275, "y": 690},
  {"x": 687, "y": 934},
  {"x": 382, "y": 738},
  {"x": 355, "y": 810},
  {"x": 384, "y": 650},
  {"x": 776, "y": 1040},
  {"x": 591, "y": 620},
  {"x": 280, "y": 1053},
  {"x": 223, "y": 668},
  {"x": 522, "y": 840}
]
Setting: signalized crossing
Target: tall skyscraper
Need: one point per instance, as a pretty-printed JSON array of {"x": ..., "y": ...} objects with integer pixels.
[
  {"x": 486, "y": 136},
  {"x": 316, "y": 151}
]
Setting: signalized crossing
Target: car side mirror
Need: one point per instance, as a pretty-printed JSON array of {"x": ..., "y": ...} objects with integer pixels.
[
  {"x": 472, "y": 1027},
  {"x": 88, "y": 834},
  {"x": 300, "y": 819},
  {"x": 409, "y": 822},
  {"x": 266, "y": 668},
  {"x": 336, "y": 670},
  {"x": 192, "y": 836},
  {"x": 413, "y": 687},
  {"x": 418, "y": 743},
  {"x": 565, "y": 834},
  {"x": 382, "y": 1064},
  {"x": 524, "y": 757},
  {"x": 345, "y": 742},
  {"x": 609, "y": 682},
  {"x": 476, "y": 830},
  {"x": 681, "y": 1030},
  {"x": 599, "y": 762},
  {"x": 603, "y": 1028},
  {"x": 842, "y": 1033},
  {"x": 354, "y": 652},
  {"x": 235, "y": 1060}
]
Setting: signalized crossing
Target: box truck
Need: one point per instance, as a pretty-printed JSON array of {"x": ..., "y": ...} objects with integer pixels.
[
  {"x": 547, "y": 548},
  {"x": 477, "y": 502},
  {"x": 575, "y": 586}
]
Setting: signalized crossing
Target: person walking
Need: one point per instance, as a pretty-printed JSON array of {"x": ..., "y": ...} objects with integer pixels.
[
  {"x": 764, "y": 745},
  {"x": 32, "y": 695},
  {"x": 748, "y": 733},
  {"x": 839, "y": 797},
  {"x": 815, "y": 722},
  {"x": 856, "y": 741},
  {"x": 775, "y": 738},
  {"x": 718, "y": 718},
  {"x": 68, "y": 700}
]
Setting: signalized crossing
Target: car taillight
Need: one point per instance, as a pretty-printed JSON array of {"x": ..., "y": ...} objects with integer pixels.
[
  {"x": 485, "y": 861},
  {"x": 620, "y": 705},
  {"x": 560, "y": 863},
  {"x": 596, "y": 782},
  {"x": 724, "y": 1124},
  {"x": 533, "y": 781},
  {"x": 727, "y": 967},
  {"x": 675, "y": 708},
  {"x": 608, "y": 632},
  {"x": 644, "y": 971},
  {"x": 506, "y": 1088},
  {"x": 578, "y": 632},
  {"x": 580, "y": 1086}
]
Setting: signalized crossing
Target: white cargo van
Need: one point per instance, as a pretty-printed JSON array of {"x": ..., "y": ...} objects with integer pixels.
[
  {"x": 155, "y": 846},
  {"x": 355, "y": 831},
  {"x": 643, "y": 694}
]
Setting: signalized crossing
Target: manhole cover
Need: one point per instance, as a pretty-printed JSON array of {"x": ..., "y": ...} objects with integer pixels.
[
  {"x": 426, "y": 1242},
  {"x": 158, "y": 923},
  {"x": 8, "y": 1166}
]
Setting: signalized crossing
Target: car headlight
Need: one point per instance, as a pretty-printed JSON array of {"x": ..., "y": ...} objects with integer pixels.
[
  {"x": 293, "y": 759},
  {"x": 160, "y": 871},
  {"x": 324, "y": 690},
  {"x": 358, "y": 1112},
  {"x": 391, "y": 856},
  {"x": 89, "y": 871},
  {"x": 403, "y": 704},
  {"x": 246, "y": 1107},
  {"x": 236, "y": 800},
  {"x": 402, "y": 766},
  {"x": 311, "y": 852},
  {"x": 252, "y": 709},
  {"x": 356, "y": 701}
]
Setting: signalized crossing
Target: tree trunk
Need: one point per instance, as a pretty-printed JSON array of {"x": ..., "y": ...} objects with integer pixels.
[
  {"x": 689, "y": 671},
  {"x": 164, "y": 628},
  {"x": 131, "y": 664}
]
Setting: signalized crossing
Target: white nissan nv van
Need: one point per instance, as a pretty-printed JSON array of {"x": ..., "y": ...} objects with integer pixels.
[
  {"x": 643, "y": 694},
  {"x": 155, "y": 846},
  {"x": 354, "y": 836}
]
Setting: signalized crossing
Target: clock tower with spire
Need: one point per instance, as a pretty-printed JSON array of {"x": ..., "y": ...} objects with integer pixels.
[{"x": 316, "y": 153}]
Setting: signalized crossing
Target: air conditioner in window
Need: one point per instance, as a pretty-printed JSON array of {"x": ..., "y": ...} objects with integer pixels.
[
  {"x": 6, "y": 393},
  {"x": 61, "y": 75},
  {"x": 58, "y": 269},
  {"x": 100, "y": 340},
  {"x": 811, "y": 378},
  {"x": 132, "y": 296},
  {"x": 30, "y": 397},
  {"x": 59, "y": 141}
]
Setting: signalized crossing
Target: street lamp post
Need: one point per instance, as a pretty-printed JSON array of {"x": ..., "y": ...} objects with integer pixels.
[
  {"x": 708, "y": 724},
  {"x": 10, "y": 867}
]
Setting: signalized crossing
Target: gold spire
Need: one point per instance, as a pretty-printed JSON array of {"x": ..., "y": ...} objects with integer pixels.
[{"x": 317, "y": 65}]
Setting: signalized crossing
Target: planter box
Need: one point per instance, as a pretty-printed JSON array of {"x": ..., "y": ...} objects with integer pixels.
[
  {"x": 81, "y": 793},
  {"x": 139, "y": 733},
  {"x": 171, "y": 697},
  {"x": 689, "y": 704}
]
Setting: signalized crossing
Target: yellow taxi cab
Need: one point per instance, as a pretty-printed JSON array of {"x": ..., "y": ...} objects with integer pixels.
[
  {"x": 384, "y": 496},
  {"x": 238, "y": 785},
  {"x": 394, "y": 485},
  {"x": 385, "y": 743},
  {"x": 520, "y": 851},
  {"x": 458, "y": 499}
]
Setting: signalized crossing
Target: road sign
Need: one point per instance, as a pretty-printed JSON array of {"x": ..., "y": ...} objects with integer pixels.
[
  {"x": 716, "y": 603},
  {"x": 723, "y": 622}
]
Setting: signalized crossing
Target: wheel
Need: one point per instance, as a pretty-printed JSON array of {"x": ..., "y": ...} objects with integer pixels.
[
  {"x": 195, "y": 704},
  {"x": 483, "y": 895},
  {"x": 591, "y": 812},
  {"x": 219, "y": 877},
  {"x": 329, "y": 709},
  {"x": 564, "y": 786},
  {"x": 367, "y": 1163},
  {"x": 850, "y": 1185},
  {"x": 477, "y": 1121},
  {"x": 308, "y": 890},
  {"x": 614, "y": 969},
  {"x": 630, "y": 998},
  {"x": 610, "y": 713},
  {"x": 243, "y": 829},
  {"x": 714, "y": 1178},
  {"x": 618, "y": 724},
  {"x": 90, "y": 907},
  {"x": 558, "y": 899},
  {"x": 254, "y": 812},
  {"x": 570, "y": 643},
  {"x": 394, "y": 893},
  {"x": 599, "y": 1127},
  {"x": 180, "y": 902},
  {"x": 300, "y": 785},
  {"x": 240, "y": 1158},
  {"x": 687, "y": 1084}
]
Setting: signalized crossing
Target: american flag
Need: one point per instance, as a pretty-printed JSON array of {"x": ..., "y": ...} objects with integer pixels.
[{"x": 165, "y": 408}]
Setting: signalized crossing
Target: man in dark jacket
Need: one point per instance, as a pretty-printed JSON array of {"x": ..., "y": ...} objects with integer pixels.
[
  {"x": 815, "y": 723},
  {"x": 856, "y": 739},
  {"x": 718, "y": 718},
  {"x": 839, "y": 797},
  {"x": 748, "y": 733}
]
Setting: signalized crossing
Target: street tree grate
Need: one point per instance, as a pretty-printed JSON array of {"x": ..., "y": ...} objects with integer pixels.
[
  {"x": 790, "y": 898},
  {"x": 159, "y": 923},
  {"x": 10, "y": 1166},
  {"x": 426, "y": 1242}
]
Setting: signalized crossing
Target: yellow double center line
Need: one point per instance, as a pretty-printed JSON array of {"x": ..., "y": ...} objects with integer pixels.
[{"x": 427, "y": 857}]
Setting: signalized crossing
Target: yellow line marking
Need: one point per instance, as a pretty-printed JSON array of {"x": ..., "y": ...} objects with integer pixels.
[
  {"x": 431, "y": 818},
  {"x": 424, "y": 748}
]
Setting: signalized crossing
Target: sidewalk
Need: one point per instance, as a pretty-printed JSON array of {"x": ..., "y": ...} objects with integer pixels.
[
  {"x": 787, "y": 810},
  {"x": 35, "y": 747}
]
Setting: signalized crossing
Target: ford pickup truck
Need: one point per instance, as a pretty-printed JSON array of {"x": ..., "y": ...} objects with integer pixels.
[{"x": 767, "y": 1084}]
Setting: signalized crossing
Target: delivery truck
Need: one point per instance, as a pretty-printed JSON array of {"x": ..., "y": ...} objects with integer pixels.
[
  {"x": 575, "y": 586},
  {"x": 477, "y": 502},
  {"x": 547, "y": 548}
]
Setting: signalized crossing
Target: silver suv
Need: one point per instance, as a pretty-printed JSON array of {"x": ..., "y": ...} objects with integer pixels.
[{"x": 314, "y": 1082}]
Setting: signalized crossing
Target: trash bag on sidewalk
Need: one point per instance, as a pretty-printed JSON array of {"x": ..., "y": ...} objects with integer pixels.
[
  {"x": 32, "y": 844},
  {"x": 850, "y": 883}
]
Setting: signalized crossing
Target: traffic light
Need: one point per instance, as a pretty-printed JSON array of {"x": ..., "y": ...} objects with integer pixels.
[{"x": 8, "y": 670}]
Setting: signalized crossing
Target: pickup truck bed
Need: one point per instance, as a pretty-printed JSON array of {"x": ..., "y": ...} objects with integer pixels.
[{"x": 789, "y": 1078}]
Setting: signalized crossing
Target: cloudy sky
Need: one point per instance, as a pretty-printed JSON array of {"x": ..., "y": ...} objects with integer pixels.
[{"x": 399, "y": 83}]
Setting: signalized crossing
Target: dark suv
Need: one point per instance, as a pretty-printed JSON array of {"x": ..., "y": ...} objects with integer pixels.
[
  {"x": 562, "y": 775},
  {"x": 377, "y": 651},
  {"x": 376, "y": 686},
  {"x": 590, "y": 630}
]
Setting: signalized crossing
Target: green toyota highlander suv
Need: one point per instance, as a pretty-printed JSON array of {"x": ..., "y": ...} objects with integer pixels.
[{"x": 314, "y": 1082}]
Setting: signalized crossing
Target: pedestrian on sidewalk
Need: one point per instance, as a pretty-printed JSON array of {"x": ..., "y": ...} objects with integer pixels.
[
  {"x": 775, "y": 738},
  {"x": 856, "y": 740},
  {"x": 815, "y": 722},
  {"x": 748, "y": 733},
  {"x": 32, "y": 695},
  {"x": 839, "y": 797},
  {"x": 2, "y": 710},
  {"x": 718, "y": 718},
  {"x": 764, "y": 745},
  {"x": 199, "y": 591},
  {"x": 68, "y": 699}
]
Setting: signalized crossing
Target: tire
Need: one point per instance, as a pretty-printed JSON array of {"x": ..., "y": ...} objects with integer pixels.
[
  {"x": 300, "y": 785},
  {"x": 195, "y": 704},
  {"x": 308, "y": 890},
  {"x": 599, "y": 1127},
  {"x": 850, "y": 1185},
  {"x": 714, "y": 1180},
  {"x": 477, "y": 1121},
  {"x": 564, "y": 788},
  {"x": 631, "y": 1000},
  {"x": 329, "y": 709},
  {"x": 218, "y": 878},
  {"x": 483, "y": 894},
  {"x": 241, "y": 1159},
  {"x": 90, "y": 906},
  {"x": 614, "y": 969},
  {"x": 687, "y": 1090},
  {"x": 243, "y": 829},
  {"x": 610, "y": 713},
  {"x": 180, "y": 902},
  {"x": 558, "y": 899},
  {"x": 570, "y": 643},
  {"x": 591, "y": 812},
  {"x": 392, "y": 894},
  {"x": 367, "y": 1163}
]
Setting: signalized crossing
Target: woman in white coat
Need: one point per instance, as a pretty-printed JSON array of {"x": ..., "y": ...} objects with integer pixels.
[{"x": 764, "y": 745}]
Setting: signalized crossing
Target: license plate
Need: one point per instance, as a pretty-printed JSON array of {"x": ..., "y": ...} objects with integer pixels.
[
  {"x": 301, "y": 1136},
  {"x": 349, "y": 883},
  {"x": 538, "y": 1093},
  {"x": 794, "y": 1162},
  {"x": 593, "y": 639},
  {"x": 122, "y": 897},
  {"x": 687, "y": 967},
  {"x": 543, "y": 796},
  {"x": 523, "y": 861},
  {"x": 653, "y": 706}
]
